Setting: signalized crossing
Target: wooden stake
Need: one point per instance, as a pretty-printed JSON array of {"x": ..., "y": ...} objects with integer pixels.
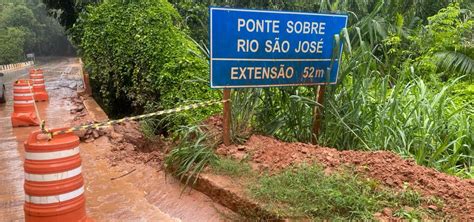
[
  {"x": 87, "y": 85},
  {"x": 227, "y": 117},
  {"x": 319, "y": 94}
]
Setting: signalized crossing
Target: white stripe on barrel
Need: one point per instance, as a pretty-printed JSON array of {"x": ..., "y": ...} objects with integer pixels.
[
  {"x": 23, "y": 102},
  {"x": 36, "y": 75},
  {"x": 21, "y": 87},
  {"x": 53, "y": 176},
  {"x": 38, "y": 84},
  {"x": 38, "y": 80},
  {"x": 51, "y": 155},
  {"x": 22, "y": 94},
  {"x": 54, "y": 199}
]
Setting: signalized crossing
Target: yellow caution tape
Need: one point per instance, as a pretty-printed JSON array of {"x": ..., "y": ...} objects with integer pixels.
[{"x": 162, "y": 112}]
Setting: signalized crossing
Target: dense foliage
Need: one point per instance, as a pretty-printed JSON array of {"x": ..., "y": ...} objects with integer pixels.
[
  {"x": 403, "y": 85},
  {"x": 10, "y": 50},
  {"x": 25, "y": 27},
  {"x": 141, "y": 60},
  {"x": 66, "y": 11},
  {"x": 405, "y": 82}
]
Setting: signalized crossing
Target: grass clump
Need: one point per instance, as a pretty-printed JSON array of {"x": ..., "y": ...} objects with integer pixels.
[
  {"x": 307, "y": 192},
  {"x": 192, "y": 154},
  {"x": 230, "y": 167},
  {"x": 149, "y": 128}
]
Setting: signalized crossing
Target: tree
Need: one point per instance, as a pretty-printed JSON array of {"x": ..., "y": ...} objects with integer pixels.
[
  {"x": 67, "y": 11},
  {"x": 11, "y": 47},
  {"x": 36, "y": 32},
  {"x": 22, "y": 17}
]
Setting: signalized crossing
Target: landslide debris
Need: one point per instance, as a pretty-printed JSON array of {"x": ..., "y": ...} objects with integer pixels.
[
  {"x": 129, "y": 143},
  {"x": 267, "y": 153},
  {"x": 131, "y": 146}
]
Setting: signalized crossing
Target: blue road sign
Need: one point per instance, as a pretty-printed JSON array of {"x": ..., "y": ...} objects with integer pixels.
[{"x": 255, "y": 48}]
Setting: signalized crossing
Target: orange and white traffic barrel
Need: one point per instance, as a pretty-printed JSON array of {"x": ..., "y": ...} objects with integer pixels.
[
  {"x": 24, "y": 113},
  {"x": 54, "y": 186},
  {"x": 36, "y": 75}
]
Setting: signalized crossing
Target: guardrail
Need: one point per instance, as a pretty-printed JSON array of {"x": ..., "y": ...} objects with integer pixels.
[{"x": 15, "y": 66}]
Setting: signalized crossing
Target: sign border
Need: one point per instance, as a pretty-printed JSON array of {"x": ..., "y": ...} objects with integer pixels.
[{"x": 212, "y": 8}]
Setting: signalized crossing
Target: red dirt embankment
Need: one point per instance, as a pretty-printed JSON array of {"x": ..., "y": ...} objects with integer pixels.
[
  {"x": 386, "y": 167},
  {"x": 121, "y": 157}
]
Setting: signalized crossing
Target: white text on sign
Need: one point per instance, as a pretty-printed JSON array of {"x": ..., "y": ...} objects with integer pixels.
[{"x": 275, "y": 45}]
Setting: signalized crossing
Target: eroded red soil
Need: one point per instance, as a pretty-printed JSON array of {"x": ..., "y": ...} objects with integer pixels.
[
  {"x": 267, "y": 153},
  {"x": 134, "y": 163}
]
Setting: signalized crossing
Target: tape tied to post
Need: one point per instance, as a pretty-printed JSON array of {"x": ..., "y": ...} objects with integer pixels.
[{"x": 112, "y": 122}]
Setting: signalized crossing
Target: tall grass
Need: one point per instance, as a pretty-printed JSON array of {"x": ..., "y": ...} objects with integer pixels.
[
  {"x": 369, "y": 110},
  {"x": 266, "y": 111},
  {"x": 412, "y": 120},
  {"x": 192, "y": 154},
  {"x": 284, "y": 115},
  {"x": 245, "y": 103}
]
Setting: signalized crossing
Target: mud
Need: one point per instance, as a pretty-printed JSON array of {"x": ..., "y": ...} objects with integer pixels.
[
  {"x": 114, "y": 200},
  {"x": 135, "y": 176},
  {"x": 115, "y": 189},
  {"x": 128, "y": 143},
  {"x": 131, "y": 146},
  {"x": 232, "y": 193},
  {"x": 268, "y": 154}
]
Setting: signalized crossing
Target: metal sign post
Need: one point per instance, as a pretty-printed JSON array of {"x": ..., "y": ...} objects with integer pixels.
[{"x": 260, "y": 48}]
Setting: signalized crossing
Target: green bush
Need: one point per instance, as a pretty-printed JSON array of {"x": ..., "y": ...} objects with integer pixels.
[
  {"x": 141, "y": 59},
  {"x": 463, "y": 96},
  {"x": 446, "y": 44}
]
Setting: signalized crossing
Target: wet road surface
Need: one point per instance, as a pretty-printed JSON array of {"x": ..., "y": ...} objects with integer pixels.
[
  {"x": 11, "y": 139},
  {"x": 145, "y": 195}
]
